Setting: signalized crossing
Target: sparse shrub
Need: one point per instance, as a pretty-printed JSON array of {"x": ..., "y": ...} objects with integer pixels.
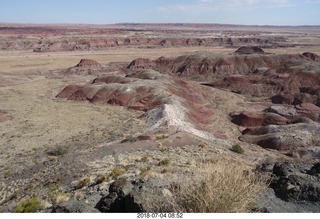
[
  {"x": 129, "y": 139},
  {"x": 127, "y": 167},
  {"x": 6, "y": 174},
  {"x": 223, "y": 186},
  {"x": 60, "y": 198},
  {"x": 163, "y": 136},
  {"x": 202, "y": 145},
  {"x": 116, "y": 172},
  {"x": 237, "y": 148},
  {"x": 58, "y": 151},
  {"x": 164, "y": 162},
  {"x": 82, "y": 183},
  {"x": 163, "y": 171},
  {"x": 99, "y": 179},
  {"x": 144, "y": 169},
  {"x": 144, "y": 159},
  {"x": 30, "y": 205}
]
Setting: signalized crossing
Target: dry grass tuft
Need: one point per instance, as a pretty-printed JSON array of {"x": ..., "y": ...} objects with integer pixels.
[
  {"x": 220, "y": 186},
  {"x": 82, "y": 183},
  {"x": 61, "y": 197}
]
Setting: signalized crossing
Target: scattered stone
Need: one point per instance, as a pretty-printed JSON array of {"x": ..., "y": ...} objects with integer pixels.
[{"x": 74, "y": 206}]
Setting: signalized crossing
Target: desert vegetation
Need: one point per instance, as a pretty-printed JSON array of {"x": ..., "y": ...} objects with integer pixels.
[{"x": 215, "y": 186}]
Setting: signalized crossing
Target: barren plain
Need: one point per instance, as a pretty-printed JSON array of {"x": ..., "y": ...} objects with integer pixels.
[{"x": 102, "y": 118}]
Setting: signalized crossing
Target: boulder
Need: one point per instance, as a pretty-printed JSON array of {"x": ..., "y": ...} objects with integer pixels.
[{"x": 119, "y": 199}]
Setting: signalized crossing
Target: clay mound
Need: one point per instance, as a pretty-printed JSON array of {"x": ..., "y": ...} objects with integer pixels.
[
  {"x": 147, "y": 74},
  {"x": 286, "y": 128},
  {"x": 109, "y": 79},
  {"x": 253, "y": 119},
  {"x": 311, "y": 56},
  {"x": 140, "y": 63},
  {"x": 309, "y": 110},
  {"x": 249, "y": 50},
  {"x": 287, "y": 111},
  {"x": 209, "y": 66},
  {"x": 168, "y": 103},
  {"x": 88, "y": 63},
  {"x": 285, "y": 138}
]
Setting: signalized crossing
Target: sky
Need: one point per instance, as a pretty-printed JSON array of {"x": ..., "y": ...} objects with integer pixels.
[{"x": 249, "y": 12}]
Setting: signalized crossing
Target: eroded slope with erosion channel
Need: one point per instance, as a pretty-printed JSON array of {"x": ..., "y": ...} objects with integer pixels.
[{"x": 194, "y": 110}]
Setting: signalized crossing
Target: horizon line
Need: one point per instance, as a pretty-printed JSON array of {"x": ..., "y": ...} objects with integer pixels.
[{"x": 159, "y": 23}]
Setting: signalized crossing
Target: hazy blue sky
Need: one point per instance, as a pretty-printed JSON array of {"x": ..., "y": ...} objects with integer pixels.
[{"x": 273, "y": 12}]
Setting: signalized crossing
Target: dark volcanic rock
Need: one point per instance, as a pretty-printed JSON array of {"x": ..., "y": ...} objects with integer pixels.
[
  {"x": 293, "y": 185},
  {"x": 315, "y": 169},
  {"x": 73, "y": 206},
  {"x": 119, "y": 199}
]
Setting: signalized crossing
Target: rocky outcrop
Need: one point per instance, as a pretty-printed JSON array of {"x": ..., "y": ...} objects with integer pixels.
[
  {"x": 120, "y": 198},
  {"x": 294, "y": 185},
  {"x": 73, "y": 206}
]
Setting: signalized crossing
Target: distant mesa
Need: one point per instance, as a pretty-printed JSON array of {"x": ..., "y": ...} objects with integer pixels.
[
  {"x": 88, "y": 63},
  {"x": 249, "y": 50}
]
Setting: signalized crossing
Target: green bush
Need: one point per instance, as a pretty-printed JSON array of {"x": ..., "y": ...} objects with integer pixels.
[
  {"x": 30, "y": 205},
  {"x": 237, "y": 148}
]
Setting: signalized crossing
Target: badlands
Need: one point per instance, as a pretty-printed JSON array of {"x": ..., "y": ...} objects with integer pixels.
[{"x": 159, "y": 118}]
